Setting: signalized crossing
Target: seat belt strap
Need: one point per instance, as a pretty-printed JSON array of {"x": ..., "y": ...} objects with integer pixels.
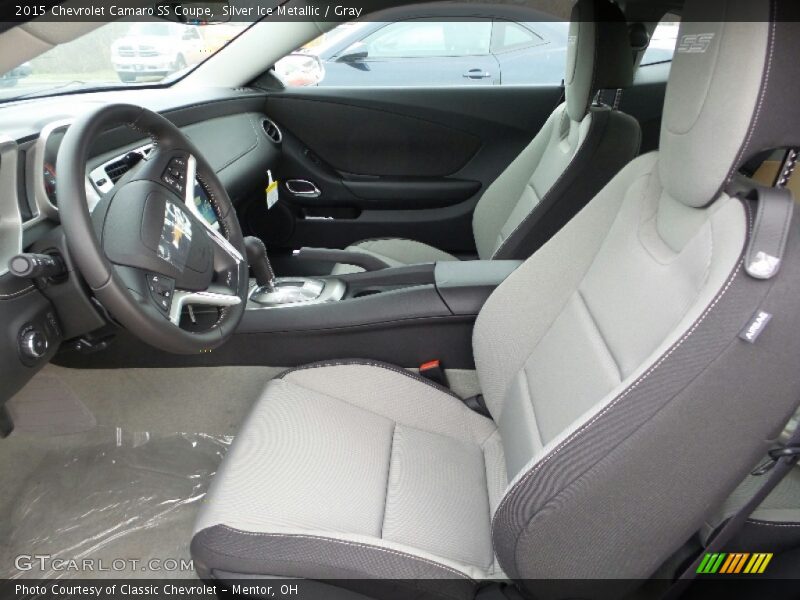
[
  {"x": 780, "y": 463},
  {"x": 768, "y": 239},
  {"x": 763, "y": 260},
  {"x": 478, "y": 404}
]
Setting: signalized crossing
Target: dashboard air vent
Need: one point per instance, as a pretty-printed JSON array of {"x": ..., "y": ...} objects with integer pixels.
[
  {"x": 109, "y": 173},
  {"x": 117, "y": 169},
  {"x": 272, "y": 131}
]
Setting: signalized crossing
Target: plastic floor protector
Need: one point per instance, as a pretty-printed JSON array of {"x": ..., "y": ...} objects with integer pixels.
[
  {"x": 111, "y": 504},
  {"x": 47, "y": 406}
]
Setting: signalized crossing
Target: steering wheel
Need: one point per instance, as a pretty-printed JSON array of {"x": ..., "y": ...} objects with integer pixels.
[{"x": 145, "y": 250}]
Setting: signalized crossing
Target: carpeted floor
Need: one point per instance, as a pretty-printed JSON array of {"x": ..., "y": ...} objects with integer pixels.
[{"x": 111, "y": 465}]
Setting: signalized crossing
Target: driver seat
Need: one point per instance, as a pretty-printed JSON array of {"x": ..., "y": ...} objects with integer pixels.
[{"x": 628, "y": 393}]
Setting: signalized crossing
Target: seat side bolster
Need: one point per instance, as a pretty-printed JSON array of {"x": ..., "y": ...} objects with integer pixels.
[
  {"x": 321, "y": 558},
  {"x": 613, "y": 140},
  {"x": 706, "y": 387},
  {"x": 501, "y": 197}
]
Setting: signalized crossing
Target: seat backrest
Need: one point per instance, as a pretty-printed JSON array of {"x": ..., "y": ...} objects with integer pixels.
[
  {"x": 577, "y": 151},
  {"x": 611, "y": 360}
]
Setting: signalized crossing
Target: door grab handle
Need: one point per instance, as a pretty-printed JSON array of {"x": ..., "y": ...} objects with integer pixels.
[
  {"x": 303, "y": 187},
  {"x": 477, "y": 74}
]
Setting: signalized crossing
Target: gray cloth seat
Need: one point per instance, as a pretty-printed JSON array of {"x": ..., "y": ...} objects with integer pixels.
[
  {"x": 395, "y": 252},
  {"x": 578, "y": 150},
  {"x": 398, "y": 464},
  {"x": 626, "y": 403}
]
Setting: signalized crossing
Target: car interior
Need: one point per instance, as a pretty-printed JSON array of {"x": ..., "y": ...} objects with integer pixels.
[{"x": 412, "y": 341}]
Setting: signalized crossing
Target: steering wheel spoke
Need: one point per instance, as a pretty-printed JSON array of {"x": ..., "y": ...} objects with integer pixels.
[
  {"x": 184, "y": 298},
  {"x": 148, "y": 250},
  {"x": 151, "y": 289}
]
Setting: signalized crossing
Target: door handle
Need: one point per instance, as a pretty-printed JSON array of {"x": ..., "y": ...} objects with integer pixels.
[
  {"x": 477, "y": 74},
  {"x": 303, "y": 187}
]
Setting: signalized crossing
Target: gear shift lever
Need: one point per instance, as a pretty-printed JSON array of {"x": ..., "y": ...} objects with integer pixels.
[
  {"x": 272, "y": 292},
  {"x": 259, "y": 262}
]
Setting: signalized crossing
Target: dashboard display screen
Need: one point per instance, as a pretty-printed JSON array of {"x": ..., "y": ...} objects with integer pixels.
[{"x": 203, "y": 205}]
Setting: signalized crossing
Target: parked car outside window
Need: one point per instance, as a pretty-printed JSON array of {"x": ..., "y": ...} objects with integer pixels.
[{"x": 431, "y": 52}]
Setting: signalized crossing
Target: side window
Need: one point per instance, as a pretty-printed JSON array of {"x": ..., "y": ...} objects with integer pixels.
[
  {"x": 423, "y": 38},
  {"x": 430, "y": 52},
  {"x": 663, "y": 41},
  {"x": 508, "y": 36}
]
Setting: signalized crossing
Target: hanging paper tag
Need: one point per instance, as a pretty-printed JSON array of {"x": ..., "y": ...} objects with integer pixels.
[{"x": 271, "y": 191}]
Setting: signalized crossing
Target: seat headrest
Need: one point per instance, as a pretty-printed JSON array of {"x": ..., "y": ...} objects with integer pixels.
[
  {"x": 599, "y": 54},
  {"x": 732, "y": 93}
]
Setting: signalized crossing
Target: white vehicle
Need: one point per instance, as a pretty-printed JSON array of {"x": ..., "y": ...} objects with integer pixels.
[{"x": 156, "y": 50}]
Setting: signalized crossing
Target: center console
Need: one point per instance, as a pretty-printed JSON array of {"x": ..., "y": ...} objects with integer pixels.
[{"x": 402, "y": 315}]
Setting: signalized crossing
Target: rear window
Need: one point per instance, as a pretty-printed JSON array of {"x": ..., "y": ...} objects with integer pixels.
[
  {"x": 510, "y": 36},
  {"x": 663, "y": 41},
  {"x": 428, "y": 38}
]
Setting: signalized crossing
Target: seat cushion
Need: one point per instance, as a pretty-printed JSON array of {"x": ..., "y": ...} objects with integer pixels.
[
  {"x": 355, "y": 470},
  {"x": 395, "y": 252}
]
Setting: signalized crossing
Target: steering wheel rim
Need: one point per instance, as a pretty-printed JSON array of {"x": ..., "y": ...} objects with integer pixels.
[{"x": 115, "y": 253}]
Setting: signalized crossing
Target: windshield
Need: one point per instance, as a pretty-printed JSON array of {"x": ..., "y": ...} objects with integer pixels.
[{"x": 118, "y": 55}]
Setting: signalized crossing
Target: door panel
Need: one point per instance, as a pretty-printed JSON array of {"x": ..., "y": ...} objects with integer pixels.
[
  {"x": 354, "y": 139},
  {"x": 394, "y": 162}
]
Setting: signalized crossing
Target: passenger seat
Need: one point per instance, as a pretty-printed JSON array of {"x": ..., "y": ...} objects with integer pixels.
[{"x": 578, "y": 150}]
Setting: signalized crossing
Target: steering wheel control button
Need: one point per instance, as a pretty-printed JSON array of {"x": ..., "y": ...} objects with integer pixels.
[
  {"x": 162, "y": 290},
  {"x": 175, "y": 175},
  {"x": 35, "y": 266}
]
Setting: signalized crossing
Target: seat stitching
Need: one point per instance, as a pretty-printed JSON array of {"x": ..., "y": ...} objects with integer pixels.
[
  {"x": 616, "y": 400},
  {"x": 583, "y": 276},
  {"x": 369, "y": 363},
  {"x": 350, "y": 543},
  {"x": 470, "y": 439},
  {"x": 535, "y": 468},
  {"x": 627, "y": 392},
  {"x": 761, "y": 522}
]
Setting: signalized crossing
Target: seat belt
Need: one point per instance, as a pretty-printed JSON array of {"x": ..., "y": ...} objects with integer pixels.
[
  {"x": 763, "y": 258},
  {"x": 781, "y": 462}
]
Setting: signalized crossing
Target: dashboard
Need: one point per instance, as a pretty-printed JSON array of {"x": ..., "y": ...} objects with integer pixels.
[
  {"x": 227, "y": 126},
  {"x": 43, "y": 177}
]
